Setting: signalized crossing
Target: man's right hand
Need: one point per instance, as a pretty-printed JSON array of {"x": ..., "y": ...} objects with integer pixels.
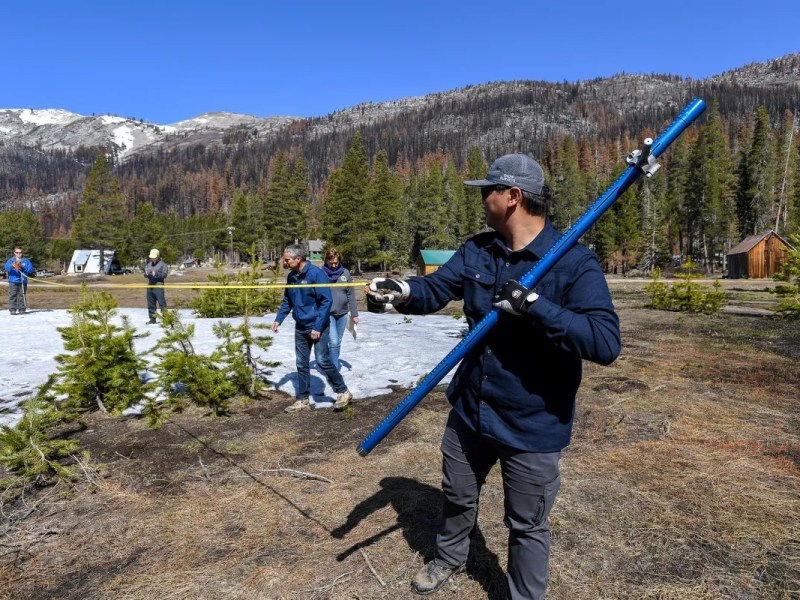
[{"x": 382, "y": 291}]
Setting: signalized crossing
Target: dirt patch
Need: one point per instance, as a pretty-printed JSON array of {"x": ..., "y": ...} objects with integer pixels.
[{"x": 682, "y": 482}]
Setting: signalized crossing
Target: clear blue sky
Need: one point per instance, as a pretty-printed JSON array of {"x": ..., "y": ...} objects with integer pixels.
[{"x": 169, "y": 60}]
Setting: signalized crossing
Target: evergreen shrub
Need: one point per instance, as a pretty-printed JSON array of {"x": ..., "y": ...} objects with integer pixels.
[
  {"x": 219, "y": 302},
  {"x": 685, "y": 295}
]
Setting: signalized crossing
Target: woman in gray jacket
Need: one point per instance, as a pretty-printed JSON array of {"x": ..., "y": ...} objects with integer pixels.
[{"x": 344, "y": 301}]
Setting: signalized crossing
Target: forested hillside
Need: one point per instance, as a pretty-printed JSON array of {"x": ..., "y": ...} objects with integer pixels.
[{"x": 383, "y": 180}]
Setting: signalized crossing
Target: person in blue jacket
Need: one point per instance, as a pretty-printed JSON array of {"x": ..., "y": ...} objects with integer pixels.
[
  {"x": 18, "y": 268},
  {"x": 311, "y": 309},
  {"x": 513, "y": 394}
]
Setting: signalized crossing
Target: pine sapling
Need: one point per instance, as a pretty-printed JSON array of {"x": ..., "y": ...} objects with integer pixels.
[
  {"x": 101, "y": 368},
  {"x": 237, "y": 355},
  {"x": 34, "y": 449},
  {"x": 184, "y": 375}
]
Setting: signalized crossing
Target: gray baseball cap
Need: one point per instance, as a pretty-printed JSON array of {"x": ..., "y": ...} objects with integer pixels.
[{"x": 514, "y": 170}]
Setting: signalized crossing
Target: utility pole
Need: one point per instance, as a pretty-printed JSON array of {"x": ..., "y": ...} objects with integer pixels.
[{"x": 230, "y": 234}]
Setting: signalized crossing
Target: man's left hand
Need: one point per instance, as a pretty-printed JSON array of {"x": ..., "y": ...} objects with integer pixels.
[
  {"x": 515, "y": 298},
  {"x": 315, "y": 334}
]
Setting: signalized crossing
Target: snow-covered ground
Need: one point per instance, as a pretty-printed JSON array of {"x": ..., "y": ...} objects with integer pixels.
[{"x": 390, "y": 349}]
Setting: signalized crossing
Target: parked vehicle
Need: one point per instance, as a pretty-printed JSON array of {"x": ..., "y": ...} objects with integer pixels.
[
  {"x": 43, "y": 273},
  {"x": 119, "y": 271}
]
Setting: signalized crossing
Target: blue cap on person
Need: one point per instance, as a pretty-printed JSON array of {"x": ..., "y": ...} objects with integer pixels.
[
  {"x": 514, "y": 170},
  {"x": 154, "y": 253}
]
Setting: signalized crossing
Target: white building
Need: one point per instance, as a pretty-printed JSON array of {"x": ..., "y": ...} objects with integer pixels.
[{"x": 88, "y": 261}]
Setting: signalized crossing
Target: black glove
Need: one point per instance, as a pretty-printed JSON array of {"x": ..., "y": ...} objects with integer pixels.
[
  {"x": 515, "y": 298},
  {"x": 382, "y": 292}
]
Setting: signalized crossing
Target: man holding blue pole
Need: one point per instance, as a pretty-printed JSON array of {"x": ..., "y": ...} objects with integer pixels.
[
  {"x": 18, "y": 268},
  {"x": 513, "y": 395}
]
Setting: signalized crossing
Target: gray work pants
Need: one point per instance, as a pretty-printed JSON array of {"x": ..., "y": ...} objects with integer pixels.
[
  {"x": 16, "y": 296},
  {"x": 155, "y": 297},
  {"x": 530, "y": 484}
]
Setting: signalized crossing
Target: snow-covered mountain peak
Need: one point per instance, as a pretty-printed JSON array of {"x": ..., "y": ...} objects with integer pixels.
[{"x": 45, "y": 116}]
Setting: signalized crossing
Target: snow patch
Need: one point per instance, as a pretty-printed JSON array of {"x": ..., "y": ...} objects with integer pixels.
[
  {"x": 47, "y": 116},
  {"x": 123, "y": 137}
]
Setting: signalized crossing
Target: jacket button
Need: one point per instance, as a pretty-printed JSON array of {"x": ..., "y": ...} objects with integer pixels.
[{"x": 477, "y": 275}]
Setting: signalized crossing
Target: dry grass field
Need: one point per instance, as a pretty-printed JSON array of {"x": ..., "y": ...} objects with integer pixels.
[{"x": 682, "y": 482}]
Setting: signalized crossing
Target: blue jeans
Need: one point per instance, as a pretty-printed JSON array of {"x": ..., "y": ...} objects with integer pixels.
[
  {"x": 530, "y": 483},
  {"x": 338, "y": 323},
  {"x": 302, "y": 348}
]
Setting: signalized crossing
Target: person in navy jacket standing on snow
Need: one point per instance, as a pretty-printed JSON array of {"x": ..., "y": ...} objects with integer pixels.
[
  {"x": 513, "y": 395},
  {"x": 18, "y": 268}
]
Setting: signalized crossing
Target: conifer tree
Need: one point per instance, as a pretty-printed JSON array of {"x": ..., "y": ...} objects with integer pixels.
[
  {"x": 31, "y": 448},
  {"x": 238, "y": 352},
  {"x": 568, "y": 186},
  {"x": 102, "y": 211},
  {"x": 183, "y": 375},
  {"x": 676, "y": 165},
  {"x": 101, "y": 368},
  {"x": 455, "y": 200},
  {"x": 278, "y": 208},
  {"x": 708, "y": 196},
  {"x": 144, "y": 231},
  {"x": 22, "y": 228},
  {"x": 758, "y": 188},
  {"x": 385, "y": 195},
  {"x": 473, "y": 203},
  {"x": 298, "y": 197},
  {"x": 348, "y": 220},
  {"x": 219, "y": 302},
  {"x": 655, "y": 245},
  {"x": 431, "y": 212},
  {"x": 245, "y": 221}
]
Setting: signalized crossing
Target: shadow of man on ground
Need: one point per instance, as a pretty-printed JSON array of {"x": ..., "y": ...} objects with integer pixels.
[{"x": 418, "y": 507}]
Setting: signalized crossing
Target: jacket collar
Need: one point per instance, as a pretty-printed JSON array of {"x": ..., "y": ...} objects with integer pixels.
[{"x": 538, "y": 246}]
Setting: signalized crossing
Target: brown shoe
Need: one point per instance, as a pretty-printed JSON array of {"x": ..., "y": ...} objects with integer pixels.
[
  {"x": 342, "y": 400},
  {"x": 298, "y": 406}
]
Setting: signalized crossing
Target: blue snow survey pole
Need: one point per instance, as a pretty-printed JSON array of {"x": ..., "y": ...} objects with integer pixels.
[{"x": 640, "y": 161}]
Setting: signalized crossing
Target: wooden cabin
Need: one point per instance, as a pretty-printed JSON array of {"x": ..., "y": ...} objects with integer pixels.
[
  {"x": 430, "y": 260},
  {"x": 758, "y": 256}
]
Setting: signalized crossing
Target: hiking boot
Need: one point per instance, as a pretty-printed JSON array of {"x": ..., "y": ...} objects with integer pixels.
[
  {"x": 151, "y": 322},
  {"x": 342, "y": 400},
  {"x": 298, "y": 406},
  {"x": 431, "y": 577},
  {"x": 21, "y": 312},
  {"x": 13, "y": 312}
]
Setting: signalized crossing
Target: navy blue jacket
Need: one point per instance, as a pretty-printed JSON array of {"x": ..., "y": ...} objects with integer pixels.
[
  {"x": 518, "y": 385},
  {"x": 310, "y": 307}
]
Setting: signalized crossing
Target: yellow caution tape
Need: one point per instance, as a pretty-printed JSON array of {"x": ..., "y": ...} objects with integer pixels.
[{"x": 199, "y": 285}]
